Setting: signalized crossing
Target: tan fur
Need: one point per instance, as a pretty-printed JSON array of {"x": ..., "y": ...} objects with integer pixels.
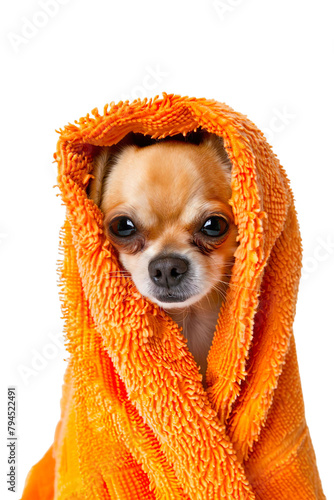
[{"x": 166, "y": 189}]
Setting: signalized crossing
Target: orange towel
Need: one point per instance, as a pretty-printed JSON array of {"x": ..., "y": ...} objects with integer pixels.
[{"x": 136, "y": 422}]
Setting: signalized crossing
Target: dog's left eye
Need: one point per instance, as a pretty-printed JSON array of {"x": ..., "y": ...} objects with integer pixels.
[
  {"x": 215, "y": 227},
  {"x": 122, "y": 227}
]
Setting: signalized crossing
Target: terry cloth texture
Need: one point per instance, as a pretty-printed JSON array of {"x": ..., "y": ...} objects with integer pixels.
[{"x": 136, "y": 422}]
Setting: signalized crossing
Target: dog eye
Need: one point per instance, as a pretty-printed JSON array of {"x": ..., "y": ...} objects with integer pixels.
[
  {"x": 215, "y": 227},
  {"x": 122, "y": 227}
]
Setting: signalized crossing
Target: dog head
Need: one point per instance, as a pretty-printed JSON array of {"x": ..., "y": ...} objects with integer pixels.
[{"x": 167, "y": 213}]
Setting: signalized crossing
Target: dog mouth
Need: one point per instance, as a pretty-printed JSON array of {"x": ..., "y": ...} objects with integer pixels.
[
  {"x": 177, "y": 297},
  {"x": 170, "y": 297}
]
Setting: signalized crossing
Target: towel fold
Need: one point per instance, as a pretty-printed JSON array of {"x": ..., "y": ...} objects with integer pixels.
[{"x": 136, "y": 422}]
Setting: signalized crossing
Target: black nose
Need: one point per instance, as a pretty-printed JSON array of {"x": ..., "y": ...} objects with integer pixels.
[{"x": 167, "y": 271}]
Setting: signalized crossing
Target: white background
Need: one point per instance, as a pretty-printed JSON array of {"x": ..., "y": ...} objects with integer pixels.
[{"x": 266, "y": 59}]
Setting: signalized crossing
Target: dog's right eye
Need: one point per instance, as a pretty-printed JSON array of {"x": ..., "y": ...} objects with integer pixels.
[{"x": 122, "y": 227}]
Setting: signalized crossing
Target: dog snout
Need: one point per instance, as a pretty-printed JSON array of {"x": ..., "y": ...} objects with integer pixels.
[{"x": 168, "y": 271}]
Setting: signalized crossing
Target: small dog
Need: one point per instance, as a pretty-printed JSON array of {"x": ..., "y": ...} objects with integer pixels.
[{"x": 167, "y": 212}]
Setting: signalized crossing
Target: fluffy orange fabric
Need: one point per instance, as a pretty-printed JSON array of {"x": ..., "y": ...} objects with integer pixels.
[{"x": 136, "y": 422}]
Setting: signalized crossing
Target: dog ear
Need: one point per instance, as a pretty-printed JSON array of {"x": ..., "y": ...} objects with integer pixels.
[
  {"x": 217, "y": 143},
  {"x": 103, "y": 161}
]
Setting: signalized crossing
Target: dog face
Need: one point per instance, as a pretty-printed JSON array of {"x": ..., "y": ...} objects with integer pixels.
[{"x": 167, "y": 214}]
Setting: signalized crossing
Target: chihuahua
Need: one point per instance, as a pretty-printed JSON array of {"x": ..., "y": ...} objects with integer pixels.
[{"x": 166, "y": 211}]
